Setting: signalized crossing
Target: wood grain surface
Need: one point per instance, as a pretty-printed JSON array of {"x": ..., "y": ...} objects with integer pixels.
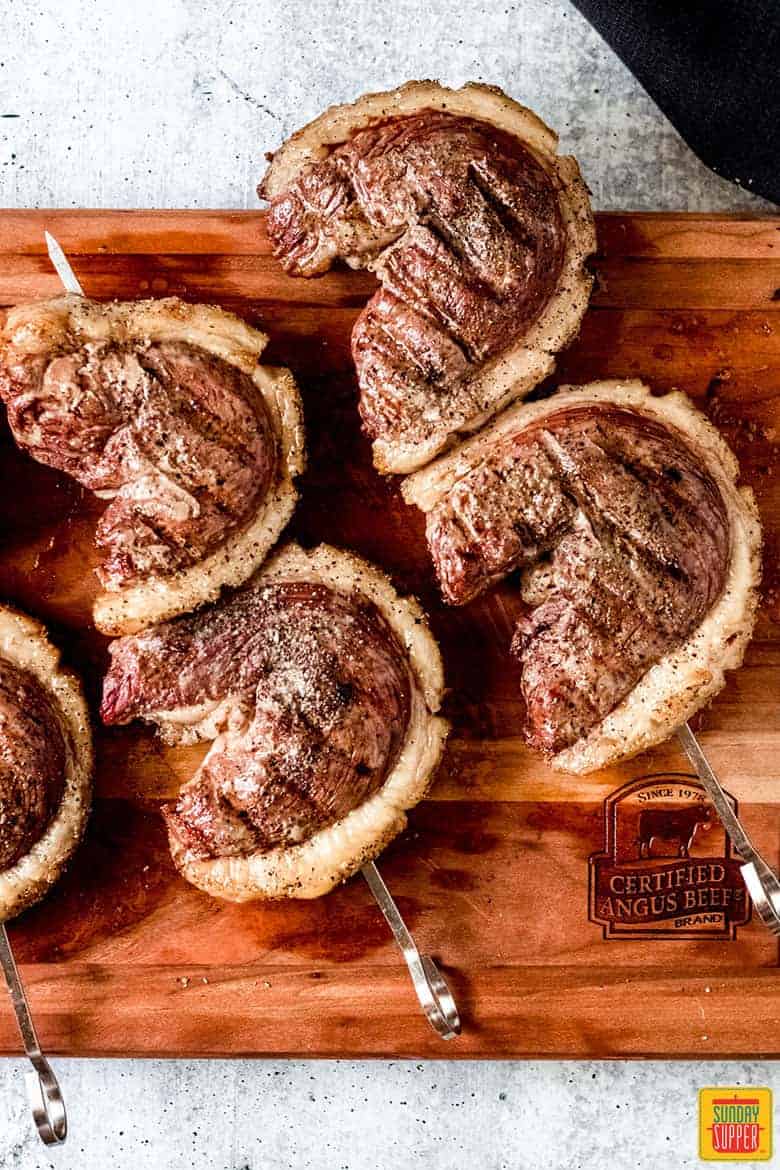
[{"x": 492, "y": 876}]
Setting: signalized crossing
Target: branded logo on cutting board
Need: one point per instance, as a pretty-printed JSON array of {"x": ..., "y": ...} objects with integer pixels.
[
  {"x": 666, "y": 870},
  {"x": 735, "y": 1125}
]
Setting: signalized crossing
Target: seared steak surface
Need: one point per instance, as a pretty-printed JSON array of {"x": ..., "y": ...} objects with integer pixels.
[
  {"x": 178, "y": 440},
  {"x": 32, "y": 762},
  {"x": 312, "y": 694},
  {"x": 463, "y": 227},
  {"x": 625, "y": 536}
]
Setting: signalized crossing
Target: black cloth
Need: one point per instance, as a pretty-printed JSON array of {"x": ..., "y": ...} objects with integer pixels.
[{"x": 713, "y": 67}]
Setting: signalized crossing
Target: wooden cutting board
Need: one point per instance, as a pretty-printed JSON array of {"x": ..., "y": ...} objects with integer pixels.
[{"x": 548, "y": 952}]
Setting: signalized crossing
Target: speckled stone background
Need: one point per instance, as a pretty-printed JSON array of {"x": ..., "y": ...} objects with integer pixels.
[{"x": 171, "y": 103}]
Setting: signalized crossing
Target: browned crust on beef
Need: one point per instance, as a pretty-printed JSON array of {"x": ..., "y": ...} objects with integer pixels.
[
  {"x": 691, "y": 674},
  {"x": 38, "y": 329},
  {"x": 333, "y": 853},
  {"x": 522, "y": 364}
]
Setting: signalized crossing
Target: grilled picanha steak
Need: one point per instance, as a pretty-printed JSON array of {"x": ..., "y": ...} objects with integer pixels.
[
  {"x": 626, "y": 536},
  {"x": 311, "y": 691},
  {"x": 32, "y": 762},
  {"x": 176, "y": 438},
  {"x": 463, "y": 227}
]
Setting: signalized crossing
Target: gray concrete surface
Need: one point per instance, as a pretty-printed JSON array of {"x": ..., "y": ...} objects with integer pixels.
[
  {"x": 298, "y": 1115},
  {"x": 171, "y": 103}
]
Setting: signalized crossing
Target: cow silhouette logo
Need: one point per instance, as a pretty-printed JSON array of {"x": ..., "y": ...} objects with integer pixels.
[
  {"x": 666, "y": 869},
  {"x": 677, "y": 828}
]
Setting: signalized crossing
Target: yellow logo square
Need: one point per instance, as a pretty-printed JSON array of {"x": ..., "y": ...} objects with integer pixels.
[{"x": 735, "y": 1124}]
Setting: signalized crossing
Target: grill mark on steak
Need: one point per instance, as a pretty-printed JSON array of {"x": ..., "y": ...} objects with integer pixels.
[
  {"x": 423, "y": 270},
  {"x": 624, "y": 540},
  {"x": 406, "y": 348},
  {"x": 504, "y": 515},
  {"x": 316, "y": 694},
  {"x": 463, "y": 227},
  {"x": 179, "y": 441},
  {"x": 498, "y": 196},
  {"x": 32, "y": 762}
]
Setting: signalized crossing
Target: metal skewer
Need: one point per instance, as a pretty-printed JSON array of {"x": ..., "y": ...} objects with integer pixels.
[
  {"x": 430, "y": 985},
  {"x": 436, "y": 999},
  {"x": 43, "y": 1091},
  {"x": 70, "y": 281},
  {"x": 759, "y": 877}
]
